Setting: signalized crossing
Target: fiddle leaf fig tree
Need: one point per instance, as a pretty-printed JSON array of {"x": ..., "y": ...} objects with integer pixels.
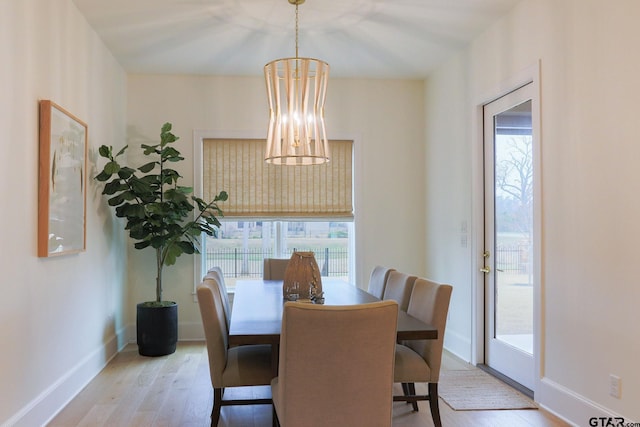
[{"x": 156, "y": 208}]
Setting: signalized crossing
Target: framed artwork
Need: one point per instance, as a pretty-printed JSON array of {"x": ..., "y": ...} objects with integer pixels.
[{"x": 62, "y": 182}]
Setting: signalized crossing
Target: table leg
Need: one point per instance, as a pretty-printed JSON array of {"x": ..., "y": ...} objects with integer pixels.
[{"x": 275, "y": 352}]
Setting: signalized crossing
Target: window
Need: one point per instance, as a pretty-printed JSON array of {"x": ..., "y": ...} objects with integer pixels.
[
  {"x": 242, "y": 245},
  {"x": 274, "y": 210}
]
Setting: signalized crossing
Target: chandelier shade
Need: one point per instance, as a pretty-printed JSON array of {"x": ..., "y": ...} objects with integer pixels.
[{"x": 296, "y": 88}]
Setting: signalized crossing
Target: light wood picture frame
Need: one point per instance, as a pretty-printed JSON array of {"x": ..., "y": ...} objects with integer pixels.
[{"x": 62, "y": 191}]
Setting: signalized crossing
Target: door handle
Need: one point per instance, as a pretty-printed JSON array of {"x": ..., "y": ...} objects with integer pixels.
[{"x": 485, "y": 270}]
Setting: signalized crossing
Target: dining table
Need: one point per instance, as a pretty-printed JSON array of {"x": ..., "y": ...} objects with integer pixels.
[{"x": 256, "y": 317}]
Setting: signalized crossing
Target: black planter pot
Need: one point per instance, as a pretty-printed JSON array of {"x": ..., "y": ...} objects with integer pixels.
[{"x": 157, "y": 328}]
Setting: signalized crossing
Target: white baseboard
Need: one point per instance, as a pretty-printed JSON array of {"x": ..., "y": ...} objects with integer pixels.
[
  {"x": 570, "y": 406},
  {"x": 46, "y": 405}
]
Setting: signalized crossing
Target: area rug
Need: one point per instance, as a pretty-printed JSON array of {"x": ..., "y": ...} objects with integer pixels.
[{"x": 475, "y": 390}]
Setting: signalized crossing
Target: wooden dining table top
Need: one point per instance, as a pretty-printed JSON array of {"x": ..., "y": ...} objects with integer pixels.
[{"x": 258, "y": 304}]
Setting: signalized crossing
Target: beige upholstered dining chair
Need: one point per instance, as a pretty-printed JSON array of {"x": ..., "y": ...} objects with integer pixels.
[
  {"x": 398, "y": 288},
  {"x": 336, "y": 365},
  {"x": 378, "y": 280},
  {"x": 274, "y": 268},
  {"x": 246, "y": 365},
  {"x": 216, "y": 273},
  {"x": 420, "y": 360}
]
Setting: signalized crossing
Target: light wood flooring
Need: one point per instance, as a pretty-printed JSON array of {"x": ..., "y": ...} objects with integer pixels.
[{"x": 175, "y": 391}]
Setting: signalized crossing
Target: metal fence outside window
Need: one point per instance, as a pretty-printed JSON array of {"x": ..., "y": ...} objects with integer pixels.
[
  {"x": 514, "y": 258},
  {"x": 238, "y": 262}
]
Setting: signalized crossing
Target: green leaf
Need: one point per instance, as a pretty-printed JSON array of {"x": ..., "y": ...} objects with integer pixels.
[
  {"x": 112, "y": 167},
  {"x": 134, "y": 223},
  {"x": 155, "y": 208},
  {"x": 186, "y": 247},
  {"x": 174, "y": 230},
  {"x": 169, "y": 138},
  {"x": 139, "y": 233},
  {"x": 171, "y": 154},
  {"x": 140, "y": 187},
  {"x": 197, "y": 229},
  {"x": 166, "y": 136},
  {"x": 125, "y": 173},
  {"x": 141, "y": 245},
  {"x": 150, "y": 179},
  {"x": 221, "y": 197},
  {"x": 113, "y": 187},
  {"x": 128, "y": 195},
  {"x": 103, "y": 176},
  {"x": 147, "y": 168},
  {"x": 150, "y": 149},
  {"x": 212, "y": 220},
  {"x": 122, "y": 150},
  {"x": 201, "y": 204},
  {"x": 173, "y": 252},
  {"x": 157, "y": 241},
  {"x": 132, "y": 210},
  {"x": 121, "y": 212},
  {"x": 170, "y": 176},
  {"x": 116, "y": 200},
  {"x": 105, "y": 151},
  {"x": 175, "y": 196}
]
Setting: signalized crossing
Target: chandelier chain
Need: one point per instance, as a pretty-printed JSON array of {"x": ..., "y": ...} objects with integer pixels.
[{"x": 296, "y": 30}]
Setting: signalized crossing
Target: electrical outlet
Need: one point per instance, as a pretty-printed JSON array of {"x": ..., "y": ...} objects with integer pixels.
[{"x": 615, "y": 386}]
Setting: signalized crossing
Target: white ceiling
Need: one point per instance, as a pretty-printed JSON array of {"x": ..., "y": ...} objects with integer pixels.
[{"x": 358, "y": 38}]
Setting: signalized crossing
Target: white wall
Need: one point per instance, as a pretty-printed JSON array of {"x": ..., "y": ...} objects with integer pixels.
[
  {"x": 65, "y": 316},
  {"x": 384, "y": 117},
  {"x": 60, "y": 316},
  {"x": 590, "y": 149},
  {"x": 449, "y": 237}
]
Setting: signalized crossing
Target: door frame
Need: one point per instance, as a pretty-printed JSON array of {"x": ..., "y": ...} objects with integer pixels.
[{"x": 529, "y": 75}]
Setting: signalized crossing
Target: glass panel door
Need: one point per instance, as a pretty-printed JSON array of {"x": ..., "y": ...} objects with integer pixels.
[{"x": 509, "y": 239}]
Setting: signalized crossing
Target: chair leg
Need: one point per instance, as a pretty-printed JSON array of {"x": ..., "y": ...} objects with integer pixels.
[
  {"x": 405, "y": 389},
  {"x": 412, "y": 392},
  {"x": 433, "y": 404},
  {"x": 217, "y": 405}
]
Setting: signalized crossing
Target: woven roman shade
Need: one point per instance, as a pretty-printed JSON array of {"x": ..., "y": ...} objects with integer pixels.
[{"x": 260, "y": 190}]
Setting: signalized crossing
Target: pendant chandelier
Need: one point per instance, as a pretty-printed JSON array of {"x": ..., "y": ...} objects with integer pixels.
[{"x": 296, "y": 88}]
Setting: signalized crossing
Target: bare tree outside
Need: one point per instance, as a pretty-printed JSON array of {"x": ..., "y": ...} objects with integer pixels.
[{"x": 514, "y": 180}]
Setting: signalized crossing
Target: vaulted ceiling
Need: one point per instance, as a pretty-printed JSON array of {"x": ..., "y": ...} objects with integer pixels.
[{"x": 358, "y": 38}]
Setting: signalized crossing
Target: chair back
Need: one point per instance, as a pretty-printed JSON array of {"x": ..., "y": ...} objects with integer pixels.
[
  {"x": 398, "y": 288},
  {"x": 336, "y": 365},
  {"x": 216, "y": 273},
  {"x": 274, "y": 268},
  {"x": 378, "y": 280},
  {"x": 215, "y": 327},
  {"x": 430, "y": 303}
]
